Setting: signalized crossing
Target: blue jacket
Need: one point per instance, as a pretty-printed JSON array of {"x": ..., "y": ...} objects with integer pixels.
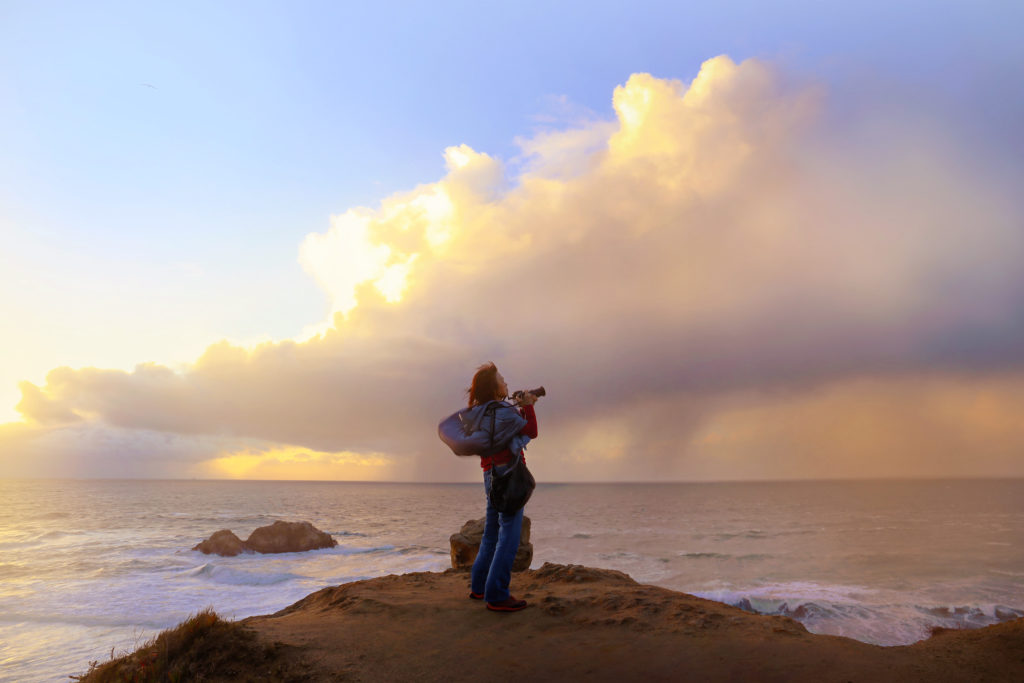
[{"x": 484, "y": 430}]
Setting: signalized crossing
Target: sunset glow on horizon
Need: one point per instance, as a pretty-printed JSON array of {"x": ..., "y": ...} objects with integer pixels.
[{"x": 741, "y": 267}]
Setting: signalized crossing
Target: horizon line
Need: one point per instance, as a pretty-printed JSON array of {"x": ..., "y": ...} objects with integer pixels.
[{"x": 540, "y": 483}]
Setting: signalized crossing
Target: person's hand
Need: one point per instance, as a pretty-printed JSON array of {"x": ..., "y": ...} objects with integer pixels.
[{"x": 527, "y": 399}]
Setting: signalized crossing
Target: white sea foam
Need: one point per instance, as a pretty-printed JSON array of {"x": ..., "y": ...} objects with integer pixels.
[{"x": 873, "y": 616}]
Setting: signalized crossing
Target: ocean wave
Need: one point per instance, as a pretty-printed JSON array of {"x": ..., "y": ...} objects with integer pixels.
[
  {"x": 11, "y": 570},
  {"x": 14, "y": 545},
  {"x": 421, "y": 550},
  {"x": 1002, "y": 572},
  {"x": 239, "y": 577},
  {"x": 621, "y": 554},
  {"x": 357, "y": 550},
  {"x": 138, "y": 565},
  {"x": 848, "y": 611},
  {"x": 26, "y": 540},
  {"x": 753, "y": 534},
  {"x": 793, "y": 590},
  {"x": 58, "y": 534},
  {"x": 53, "y": 515},
  {"x": 973, "y": 614},
  {"x": 722, "y": 556}
]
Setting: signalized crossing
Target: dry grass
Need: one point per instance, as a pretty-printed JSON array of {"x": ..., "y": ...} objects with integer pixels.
[{"x": 204, "y": 647}]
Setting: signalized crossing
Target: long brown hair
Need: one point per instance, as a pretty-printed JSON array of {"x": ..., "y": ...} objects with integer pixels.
[{"x": 485, "y": 385}]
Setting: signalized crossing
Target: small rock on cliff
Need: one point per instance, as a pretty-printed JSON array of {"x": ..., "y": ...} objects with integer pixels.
[{"x": 465, "y": 544}]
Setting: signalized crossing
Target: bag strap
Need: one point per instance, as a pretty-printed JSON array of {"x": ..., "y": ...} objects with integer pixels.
[{"x": 492, "y": 408}]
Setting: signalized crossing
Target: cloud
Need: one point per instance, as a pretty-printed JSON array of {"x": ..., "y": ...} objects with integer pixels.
[
  {"x": 908, "y": 427},
  {"x": 95, "y": 449},
  {"x": 719, "y": 242}
]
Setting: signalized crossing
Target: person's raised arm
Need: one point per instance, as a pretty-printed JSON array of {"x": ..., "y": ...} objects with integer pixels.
[{"x": 530, "y": 429}]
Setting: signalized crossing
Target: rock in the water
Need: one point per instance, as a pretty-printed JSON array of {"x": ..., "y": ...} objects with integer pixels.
[
  {"x": 289, "y": 537},
  {"x": 224, "y": 542},
  {"x": 466, "y": 543},
  {"x": 279, "y": 537}
]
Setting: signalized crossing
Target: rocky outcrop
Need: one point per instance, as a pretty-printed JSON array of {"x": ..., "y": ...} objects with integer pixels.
[
  {"x": 289, "y": 537},
  {"x": 582, "y": 623},
  {"x": 466, "y": 543},
  {"x": 279, "y": 537},
  {"x": 224, "y": 542}
]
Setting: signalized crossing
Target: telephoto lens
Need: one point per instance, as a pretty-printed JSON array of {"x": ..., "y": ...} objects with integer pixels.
[{"x": 518, "y": 395}]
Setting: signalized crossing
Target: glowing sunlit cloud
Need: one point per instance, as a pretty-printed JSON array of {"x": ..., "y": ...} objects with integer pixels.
[
  {"x": 654, "y": 270},
  {"x": 344, "y": 257},
  {"x": 381, "y": 247}
]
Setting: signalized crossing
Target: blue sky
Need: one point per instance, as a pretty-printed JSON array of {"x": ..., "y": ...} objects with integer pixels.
[{"x": 162, "y": 163}]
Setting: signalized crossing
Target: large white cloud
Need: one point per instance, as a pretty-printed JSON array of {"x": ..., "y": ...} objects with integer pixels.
[{"x": 717, "y": 245}]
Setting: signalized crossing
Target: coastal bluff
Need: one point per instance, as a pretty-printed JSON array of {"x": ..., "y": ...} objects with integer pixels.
[{"x": 582, "y": 623}]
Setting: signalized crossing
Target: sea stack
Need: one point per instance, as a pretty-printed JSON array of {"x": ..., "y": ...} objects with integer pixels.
[
  {"x": 279, "y": 537},
  {"x": 223, "y": 542}
]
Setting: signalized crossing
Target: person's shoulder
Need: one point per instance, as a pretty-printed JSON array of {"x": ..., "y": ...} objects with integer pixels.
[{"x": 503, "y": 407}]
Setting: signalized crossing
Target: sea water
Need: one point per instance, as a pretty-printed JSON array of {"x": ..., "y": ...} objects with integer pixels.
[{"x": 94, "y": 567}]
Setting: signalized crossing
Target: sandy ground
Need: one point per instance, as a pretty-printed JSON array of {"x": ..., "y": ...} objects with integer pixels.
[{"x": 594, "y": 624}]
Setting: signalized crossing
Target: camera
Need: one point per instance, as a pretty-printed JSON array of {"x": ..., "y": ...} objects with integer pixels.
[{"x": 517, "y": 396}]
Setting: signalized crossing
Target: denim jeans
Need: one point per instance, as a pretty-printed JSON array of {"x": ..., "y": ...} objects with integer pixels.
[{"x": 492, "y": 570}]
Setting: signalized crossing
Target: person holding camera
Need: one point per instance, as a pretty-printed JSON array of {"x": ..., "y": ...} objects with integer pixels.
[{"x": 492, "y": 570}]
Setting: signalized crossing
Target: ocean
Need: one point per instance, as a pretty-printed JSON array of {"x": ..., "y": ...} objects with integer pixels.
[{"x": 91, "y": 567}]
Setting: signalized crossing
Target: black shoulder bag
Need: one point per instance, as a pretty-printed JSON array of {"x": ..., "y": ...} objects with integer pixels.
[{"x": 511, "y": 489}]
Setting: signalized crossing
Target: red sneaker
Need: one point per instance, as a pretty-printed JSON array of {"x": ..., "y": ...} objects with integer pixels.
[
  {"x": 508, "y": 605},
  {"x": 476, "y": 596}
]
